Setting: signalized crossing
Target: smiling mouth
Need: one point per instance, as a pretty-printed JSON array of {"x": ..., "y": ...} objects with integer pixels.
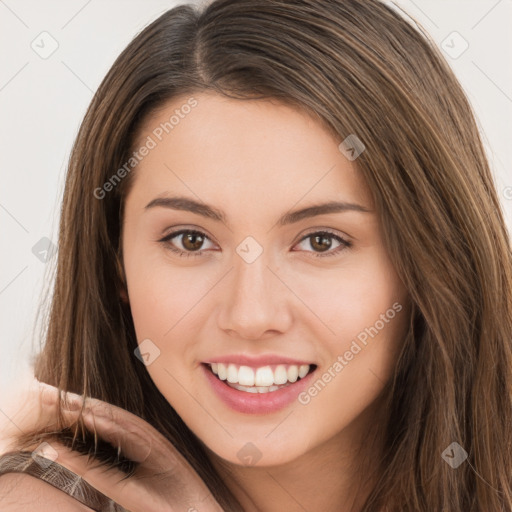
[{"x": 263, "y": 379}]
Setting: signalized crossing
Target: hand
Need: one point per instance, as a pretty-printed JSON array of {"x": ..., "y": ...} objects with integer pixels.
[{"x": 180, "y": 489}]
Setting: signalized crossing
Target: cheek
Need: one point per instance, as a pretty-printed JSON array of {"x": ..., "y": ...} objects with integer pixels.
[
  {"x": 351, "y": 299},
  {"x": 165, "y": 302},
  {"x": 159, "y": 293},
  {"x": 368, "y": 318},
  {"x": 149, "y": 296},
  {"x": 162, "y": 301},
  {"x": 363, "y": 318}
]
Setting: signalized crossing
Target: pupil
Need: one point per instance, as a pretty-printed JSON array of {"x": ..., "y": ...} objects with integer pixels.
[
  {"x": 324, "y": 239},
  {"x": 196, "y": 241}
]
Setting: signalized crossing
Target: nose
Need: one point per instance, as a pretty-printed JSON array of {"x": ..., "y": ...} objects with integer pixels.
[{"x": 256, "y": 304}]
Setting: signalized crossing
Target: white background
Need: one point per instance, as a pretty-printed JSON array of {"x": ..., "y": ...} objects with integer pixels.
[{"x": 42, "y": 102}]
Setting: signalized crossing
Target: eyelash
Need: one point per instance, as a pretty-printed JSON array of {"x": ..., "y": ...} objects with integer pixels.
[{"x": 344, "y": 244}]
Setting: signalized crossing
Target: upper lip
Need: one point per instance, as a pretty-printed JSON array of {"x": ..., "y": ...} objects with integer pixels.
[{"x": 257, "y": 361}]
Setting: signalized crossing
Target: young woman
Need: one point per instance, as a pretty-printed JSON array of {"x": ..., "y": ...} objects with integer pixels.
[{"x": 283, "y": 271}]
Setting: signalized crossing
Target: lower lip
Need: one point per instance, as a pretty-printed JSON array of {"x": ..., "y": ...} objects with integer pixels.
[{"x": 256, "y": 403}]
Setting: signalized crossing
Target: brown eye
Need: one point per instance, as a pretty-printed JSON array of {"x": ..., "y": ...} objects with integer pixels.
[
  {"x": 192, "y": 241},
  {"x": 321, "y": 243}
]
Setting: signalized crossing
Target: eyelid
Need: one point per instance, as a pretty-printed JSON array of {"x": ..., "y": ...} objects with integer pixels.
[
  {"x": 182, "y": 231},
  {"x": 341, "y": 238},
  {"x": 331, "y": 231},
  {"x": 176, "y": 230}
]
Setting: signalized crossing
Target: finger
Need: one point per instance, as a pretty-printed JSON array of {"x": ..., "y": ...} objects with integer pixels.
[
  {"x": 123, "y": 429},
  {"x": 128, "y": 436},
  {"x": 155, "y": 454},
  {"x": 50, "y": 396},
  {"x": 29, "y": 414},
  {"x": 137, "y": 438},
  {"x": 132, "y": 445}
]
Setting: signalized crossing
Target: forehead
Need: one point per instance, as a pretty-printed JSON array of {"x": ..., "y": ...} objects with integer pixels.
[{"x": 250, "y": 150}]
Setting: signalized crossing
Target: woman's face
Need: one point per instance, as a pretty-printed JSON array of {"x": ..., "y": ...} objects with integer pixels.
[{"x": 231, "y": 270}]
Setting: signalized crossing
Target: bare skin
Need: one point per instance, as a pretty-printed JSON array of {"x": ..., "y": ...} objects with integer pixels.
[{"x": 256, "y": 161}]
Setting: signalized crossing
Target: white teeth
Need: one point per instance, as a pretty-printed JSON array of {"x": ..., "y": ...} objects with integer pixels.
[
  {"x": 303, "y": 370},
  {"x": 280, "y": 375},
  {"x": 223, "y": 372},
  {"x": 246, "y": 376},
  {"x": 232, "y": 374},
  {"x": 293, "y": 373},
  {"x": 262, "y": 377},
  {"x": 251, "y": 389},
  {"x": 256, "y": 389}
]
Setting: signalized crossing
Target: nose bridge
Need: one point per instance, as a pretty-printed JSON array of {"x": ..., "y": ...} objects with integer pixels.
[
  {"x": 256, "y": 300},
  {"x": 251, "y": 283}
]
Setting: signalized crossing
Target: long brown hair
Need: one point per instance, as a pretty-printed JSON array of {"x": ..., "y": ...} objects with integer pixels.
[{"x": 359, "y": 68}]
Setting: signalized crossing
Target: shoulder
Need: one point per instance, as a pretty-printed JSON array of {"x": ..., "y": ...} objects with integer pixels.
[{"x": 19, "y": 491}]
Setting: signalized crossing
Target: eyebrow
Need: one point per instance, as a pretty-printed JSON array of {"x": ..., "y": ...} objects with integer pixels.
[{"x": 190, "y": 205}]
